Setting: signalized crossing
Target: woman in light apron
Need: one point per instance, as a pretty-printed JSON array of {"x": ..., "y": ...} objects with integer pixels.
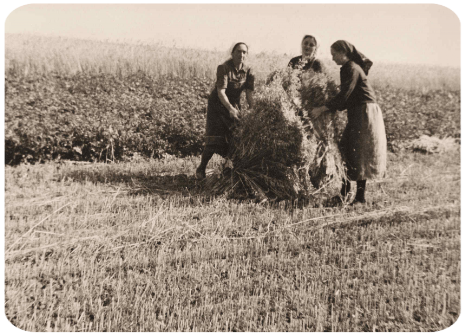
[{"x": 363, "y": 145}]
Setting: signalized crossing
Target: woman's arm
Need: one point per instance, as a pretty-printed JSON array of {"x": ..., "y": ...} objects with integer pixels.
[
  {"x": 349, "y": 79},
  {"x": 233, "y": 113},
  {"x": 221, "y": 85},
  {"x": 315, "y": 112},
  {"x": 249, "y": 97}
]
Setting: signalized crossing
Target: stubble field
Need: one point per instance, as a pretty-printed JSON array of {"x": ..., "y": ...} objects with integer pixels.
[{"x": 136, "y": 245}]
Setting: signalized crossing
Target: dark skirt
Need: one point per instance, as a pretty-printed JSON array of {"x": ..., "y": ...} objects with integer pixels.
[
  {"x": 363, "y": 145},
  {"x": 219, "y": 128}
]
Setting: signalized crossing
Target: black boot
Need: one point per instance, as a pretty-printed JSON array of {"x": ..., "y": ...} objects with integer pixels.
[{"x": 360, "y": 195}]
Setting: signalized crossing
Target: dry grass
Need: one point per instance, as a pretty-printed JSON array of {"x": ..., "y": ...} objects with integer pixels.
[
  {"x": 135, "y": 247},
  {"x": 276, "y": 154},
  {"x": 269, "y": 151},
  {"x": 26, "y": 54}
]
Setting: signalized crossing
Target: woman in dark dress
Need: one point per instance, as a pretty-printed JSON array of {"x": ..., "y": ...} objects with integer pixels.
[
  {"x": 363, "y": 144},
  {"x": 232, "y": 78},
  {"x": 307, "y": 60}
]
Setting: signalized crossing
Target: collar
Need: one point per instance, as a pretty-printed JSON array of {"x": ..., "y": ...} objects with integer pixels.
[
  {"x": 347, "y": 64},
  {"x": 307, "y": 59},
  {"x": 231, "y": 64}
]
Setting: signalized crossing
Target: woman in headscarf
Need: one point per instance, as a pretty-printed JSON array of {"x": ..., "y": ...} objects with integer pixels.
[
  {"x": 306, "y": 61},
  {"x": 363, "y": 144},
  {"x": 232, "y": 78}
]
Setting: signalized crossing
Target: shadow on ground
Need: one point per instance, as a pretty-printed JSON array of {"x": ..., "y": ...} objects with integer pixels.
[
  {"x": 165, "y": 185},
  {"x": 139, "y": 183}
]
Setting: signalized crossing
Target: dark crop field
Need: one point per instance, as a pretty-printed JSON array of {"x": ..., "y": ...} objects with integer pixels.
[{"x": 105, "y": 117}]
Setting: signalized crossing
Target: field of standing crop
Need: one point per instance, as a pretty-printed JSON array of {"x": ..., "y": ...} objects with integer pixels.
[
  {"x": 135, "y": 244},
  {"x": 95, "y": 101}
]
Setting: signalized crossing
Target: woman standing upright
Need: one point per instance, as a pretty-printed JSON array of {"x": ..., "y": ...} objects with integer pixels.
[
  {"x": 307, "y": 60},
  {"x": 232, "y": 78},
  {"x": 363, "y": 144}
]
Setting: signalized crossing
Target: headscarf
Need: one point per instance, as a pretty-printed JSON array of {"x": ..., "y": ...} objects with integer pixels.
[
  {"x": 316, "y": 48},
  {"x": 235, "y": 45},
  {"x": 353, "y": 54},
  {"x": 228, "y": 55}
]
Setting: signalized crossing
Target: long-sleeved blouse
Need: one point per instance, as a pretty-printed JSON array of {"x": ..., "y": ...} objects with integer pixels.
[{"x": 355, "y": 89}]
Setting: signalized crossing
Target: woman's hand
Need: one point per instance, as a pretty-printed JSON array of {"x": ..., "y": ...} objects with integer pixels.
[
  {"x": 315, "y": 112},
  {"x": 234, "y": 114}
]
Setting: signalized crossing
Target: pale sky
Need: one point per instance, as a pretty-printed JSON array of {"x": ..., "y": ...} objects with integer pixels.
[{"x": 406, "y": 33}]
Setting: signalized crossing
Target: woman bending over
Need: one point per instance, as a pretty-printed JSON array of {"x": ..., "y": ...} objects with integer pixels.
[
  {"x": 363, "y": 145},
  {"x": 232, "y": 78}
]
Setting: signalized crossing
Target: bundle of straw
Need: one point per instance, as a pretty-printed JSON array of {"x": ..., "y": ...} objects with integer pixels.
[
  {"x": 327, "y": 164},
  {"x": 276, "y": 154}
]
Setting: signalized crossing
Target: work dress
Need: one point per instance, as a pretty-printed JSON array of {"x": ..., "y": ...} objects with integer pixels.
[
  {"x": 313, "y": 64},
  {"x": 219, "y": 123},
  {"x": 363, "y": 145}
]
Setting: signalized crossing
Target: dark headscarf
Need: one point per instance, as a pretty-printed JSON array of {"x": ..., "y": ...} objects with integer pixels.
[{"x": 353, "y": 54}]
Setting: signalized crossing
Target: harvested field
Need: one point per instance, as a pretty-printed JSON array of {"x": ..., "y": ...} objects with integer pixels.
[
  {"x": 138, "y": 247},
  {"x": 106, "y": 228}
]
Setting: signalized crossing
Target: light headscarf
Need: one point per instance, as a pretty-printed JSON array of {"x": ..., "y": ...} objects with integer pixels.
[
  {"x": 235, "y": 45},
  {"x": 353, "y": 54},
  {"x": 316, "y": 48}
]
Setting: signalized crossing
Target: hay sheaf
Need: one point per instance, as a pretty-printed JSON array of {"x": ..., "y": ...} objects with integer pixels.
[
  {"x": 276, "y": 154},
  {"x": 327, "y": 164}
]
